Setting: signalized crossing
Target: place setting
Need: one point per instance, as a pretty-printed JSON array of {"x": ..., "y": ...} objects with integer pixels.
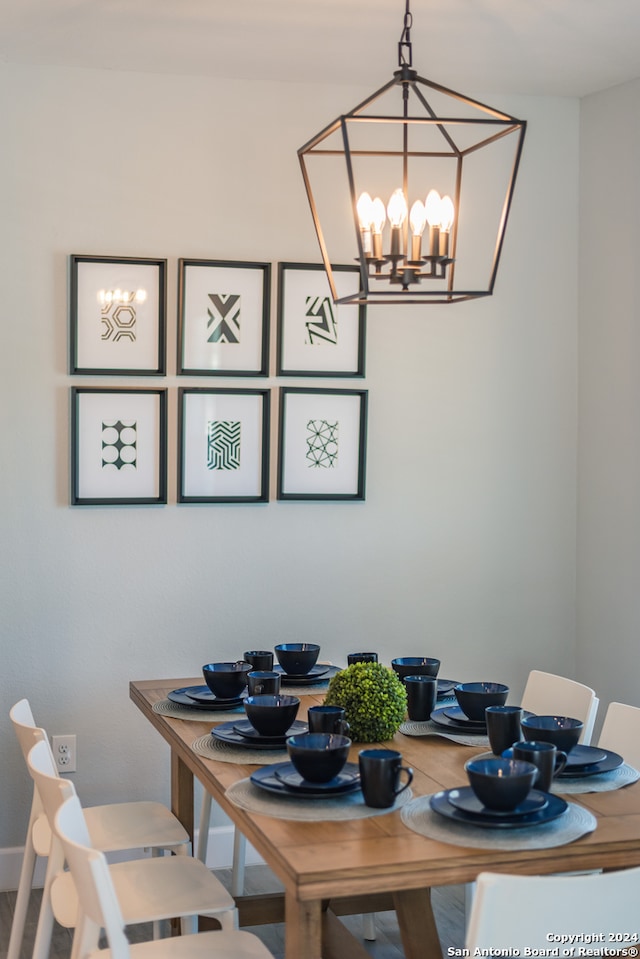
[
  {"x": 224, "y": 691},
  {"x": 319, "y": 783},
  {"x": 298, "y": 665},
  {"x": 506, "y": 804},
  {"x": 461, "y": 720},
  {"x": 585, "y": 769}
]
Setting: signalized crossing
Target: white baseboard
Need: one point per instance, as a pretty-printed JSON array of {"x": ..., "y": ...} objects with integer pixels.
[{"x": 219, "y": 856}]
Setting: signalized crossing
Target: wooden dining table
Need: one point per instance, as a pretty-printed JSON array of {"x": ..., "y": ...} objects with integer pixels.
[{"x": 334, "y": 868}]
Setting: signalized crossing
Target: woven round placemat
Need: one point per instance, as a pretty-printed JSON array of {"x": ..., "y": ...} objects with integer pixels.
[
  {"x": 429, "y": 728},
  {"x": 166, "y": 708},
  {"x": 247, "y": 796},
  {"x": 574, "y": 823},
  {"x": 212, "y": 748},
  {"x": 603, "y": 782}
]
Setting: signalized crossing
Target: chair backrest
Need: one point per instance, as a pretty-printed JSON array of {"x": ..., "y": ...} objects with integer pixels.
[
  {"x": 548, "y": 694},
  {"x": 98, "y": 902},
  {"x": 25, "y": 726},
  {"x": 621, "y": 732},
  {"x": 518, "y": 912},
  {"x": 52, "y": 789}
]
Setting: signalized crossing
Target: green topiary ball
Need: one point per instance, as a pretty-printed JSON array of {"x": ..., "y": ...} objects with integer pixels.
[{"x": 374, "y": 700}]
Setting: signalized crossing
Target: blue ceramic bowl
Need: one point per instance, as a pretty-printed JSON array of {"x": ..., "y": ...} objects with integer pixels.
[
  {"x": 318, "y": 757},
  {"x": 501, "y": 783},
  {"x": 563, "y": 731},
  {"x": 405, "y": 666},
  {"x": 473, "y": 698},
  {"x": 271, "y": 715},
  {"x": 226, "y": 680},
  {"x": 297, "y": 658}
]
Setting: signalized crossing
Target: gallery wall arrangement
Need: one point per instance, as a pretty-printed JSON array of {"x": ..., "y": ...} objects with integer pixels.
[{"x": 119, "y": 440}]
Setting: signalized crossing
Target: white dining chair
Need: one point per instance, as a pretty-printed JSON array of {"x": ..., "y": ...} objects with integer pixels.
[
  {"x": 621, "y": 732},
  {"x": 113, "y": 827},
  {"x": 547, "y": 694},
  {"x": 148, "y": 890},
  {"x": 239, "y": 846},
  {"x": 100, "y": 908},
  {"x": 517, "y": 912}
]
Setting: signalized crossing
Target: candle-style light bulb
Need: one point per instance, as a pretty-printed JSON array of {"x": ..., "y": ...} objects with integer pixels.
[
  {"x": 447, "y": 213},
  {"x": 397, "y": 208},
  {"x": 417, "y": 219},
  {"x": 364, "y": 207},
  {"x": 141, "y": 296},
  {"x": 433, "y": 210},
  {"x": 378, "y": 220},
  {"x": 397, "y": 213}
]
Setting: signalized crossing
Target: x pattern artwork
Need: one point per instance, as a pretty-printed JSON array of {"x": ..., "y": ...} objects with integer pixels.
[{"x": 223, "y": 318}]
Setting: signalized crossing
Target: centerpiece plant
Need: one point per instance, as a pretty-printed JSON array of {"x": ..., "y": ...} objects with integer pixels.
[{"x": 374, "y": 701}]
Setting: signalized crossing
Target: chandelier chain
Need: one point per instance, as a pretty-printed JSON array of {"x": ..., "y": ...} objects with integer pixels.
[{"x": 405, "y": 55}]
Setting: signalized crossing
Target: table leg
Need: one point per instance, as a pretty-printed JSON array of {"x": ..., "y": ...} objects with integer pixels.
[
  {"x": 417, "y": 926},
  {"x": 303, "y": 929},
  {"x": 182, "y": 793}
]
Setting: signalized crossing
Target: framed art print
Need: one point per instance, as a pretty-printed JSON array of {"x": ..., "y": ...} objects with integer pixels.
[
  {"x": 118, "y": 446},
  {"x": 317, "y": 337},
  {"x": 223, "y": 448},
  {"x": 322, "y": 444},
  {"x": 223, "y": 317},
  {"x": 117, "y": 315}
]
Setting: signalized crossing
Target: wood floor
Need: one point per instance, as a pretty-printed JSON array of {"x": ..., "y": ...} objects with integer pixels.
[{"x": 448, "y": 906}]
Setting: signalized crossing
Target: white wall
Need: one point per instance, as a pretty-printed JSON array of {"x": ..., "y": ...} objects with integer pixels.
[
  {"x": 465, "y": 546},
  {"x": 609, "y": 445}
]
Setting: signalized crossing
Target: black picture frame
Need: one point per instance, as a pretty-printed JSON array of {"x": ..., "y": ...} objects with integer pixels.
[
  {"x": 317, "y": 337},
  {"x": 117, "y": 315},
  {"x": 118, "y": 446},
  {"x": 224, "y": 309},
  {"x": 323, "y": 430},
  {"x": 223, "y": 460}
]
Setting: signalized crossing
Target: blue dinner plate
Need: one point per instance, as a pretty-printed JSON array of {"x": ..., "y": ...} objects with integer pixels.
[
  {"x": 456, "y": 714},
  {"x": 554, "y": 808},
  {"x": 319, "y": 674},
  {"x": 445, "y": 687},
  {"x": 584, "y": 756},
  {"x": 226, "y": 733},
  {"x": 611, "y": 761},
  {"x": 246, "y": 730},
  {"x": 289, "y": 775},
  {"x": 185, "y": 697},
  {"x": 440, "y": 718},
  {"x": 267, "y": 779},
  {"x": 464, "y": 798}
]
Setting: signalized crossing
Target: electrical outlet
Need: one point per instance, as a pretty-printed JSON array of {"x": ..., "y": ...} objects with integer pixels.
[{"x": 64, "y": 751}]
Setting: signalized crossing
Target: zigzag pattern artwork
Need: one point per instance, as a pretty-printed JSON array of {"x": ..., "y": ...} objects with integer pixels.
[
  {"x": 223, "y": 323},
  {"x": 223, "y": 445},
  {"x": 118, "y": 321},
  {"x": 322, "y": 443},
  {"x": 119, "y": 444},
  {"x": 324, "y": 327}
]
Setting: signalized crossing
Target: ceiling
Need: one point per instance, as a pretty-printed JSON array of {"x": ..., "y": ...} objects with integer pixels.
[{"x": 538, "y": 47}]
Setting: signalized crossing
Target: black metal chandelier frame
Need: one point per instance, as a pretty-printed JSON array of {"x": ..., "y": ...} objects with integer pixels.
[{"x": 406, "y": 276}]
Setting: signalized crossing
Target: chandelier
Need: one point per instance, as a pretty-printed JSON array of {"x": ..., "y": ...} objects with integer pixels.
[{"x": 416, "y": 182}]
